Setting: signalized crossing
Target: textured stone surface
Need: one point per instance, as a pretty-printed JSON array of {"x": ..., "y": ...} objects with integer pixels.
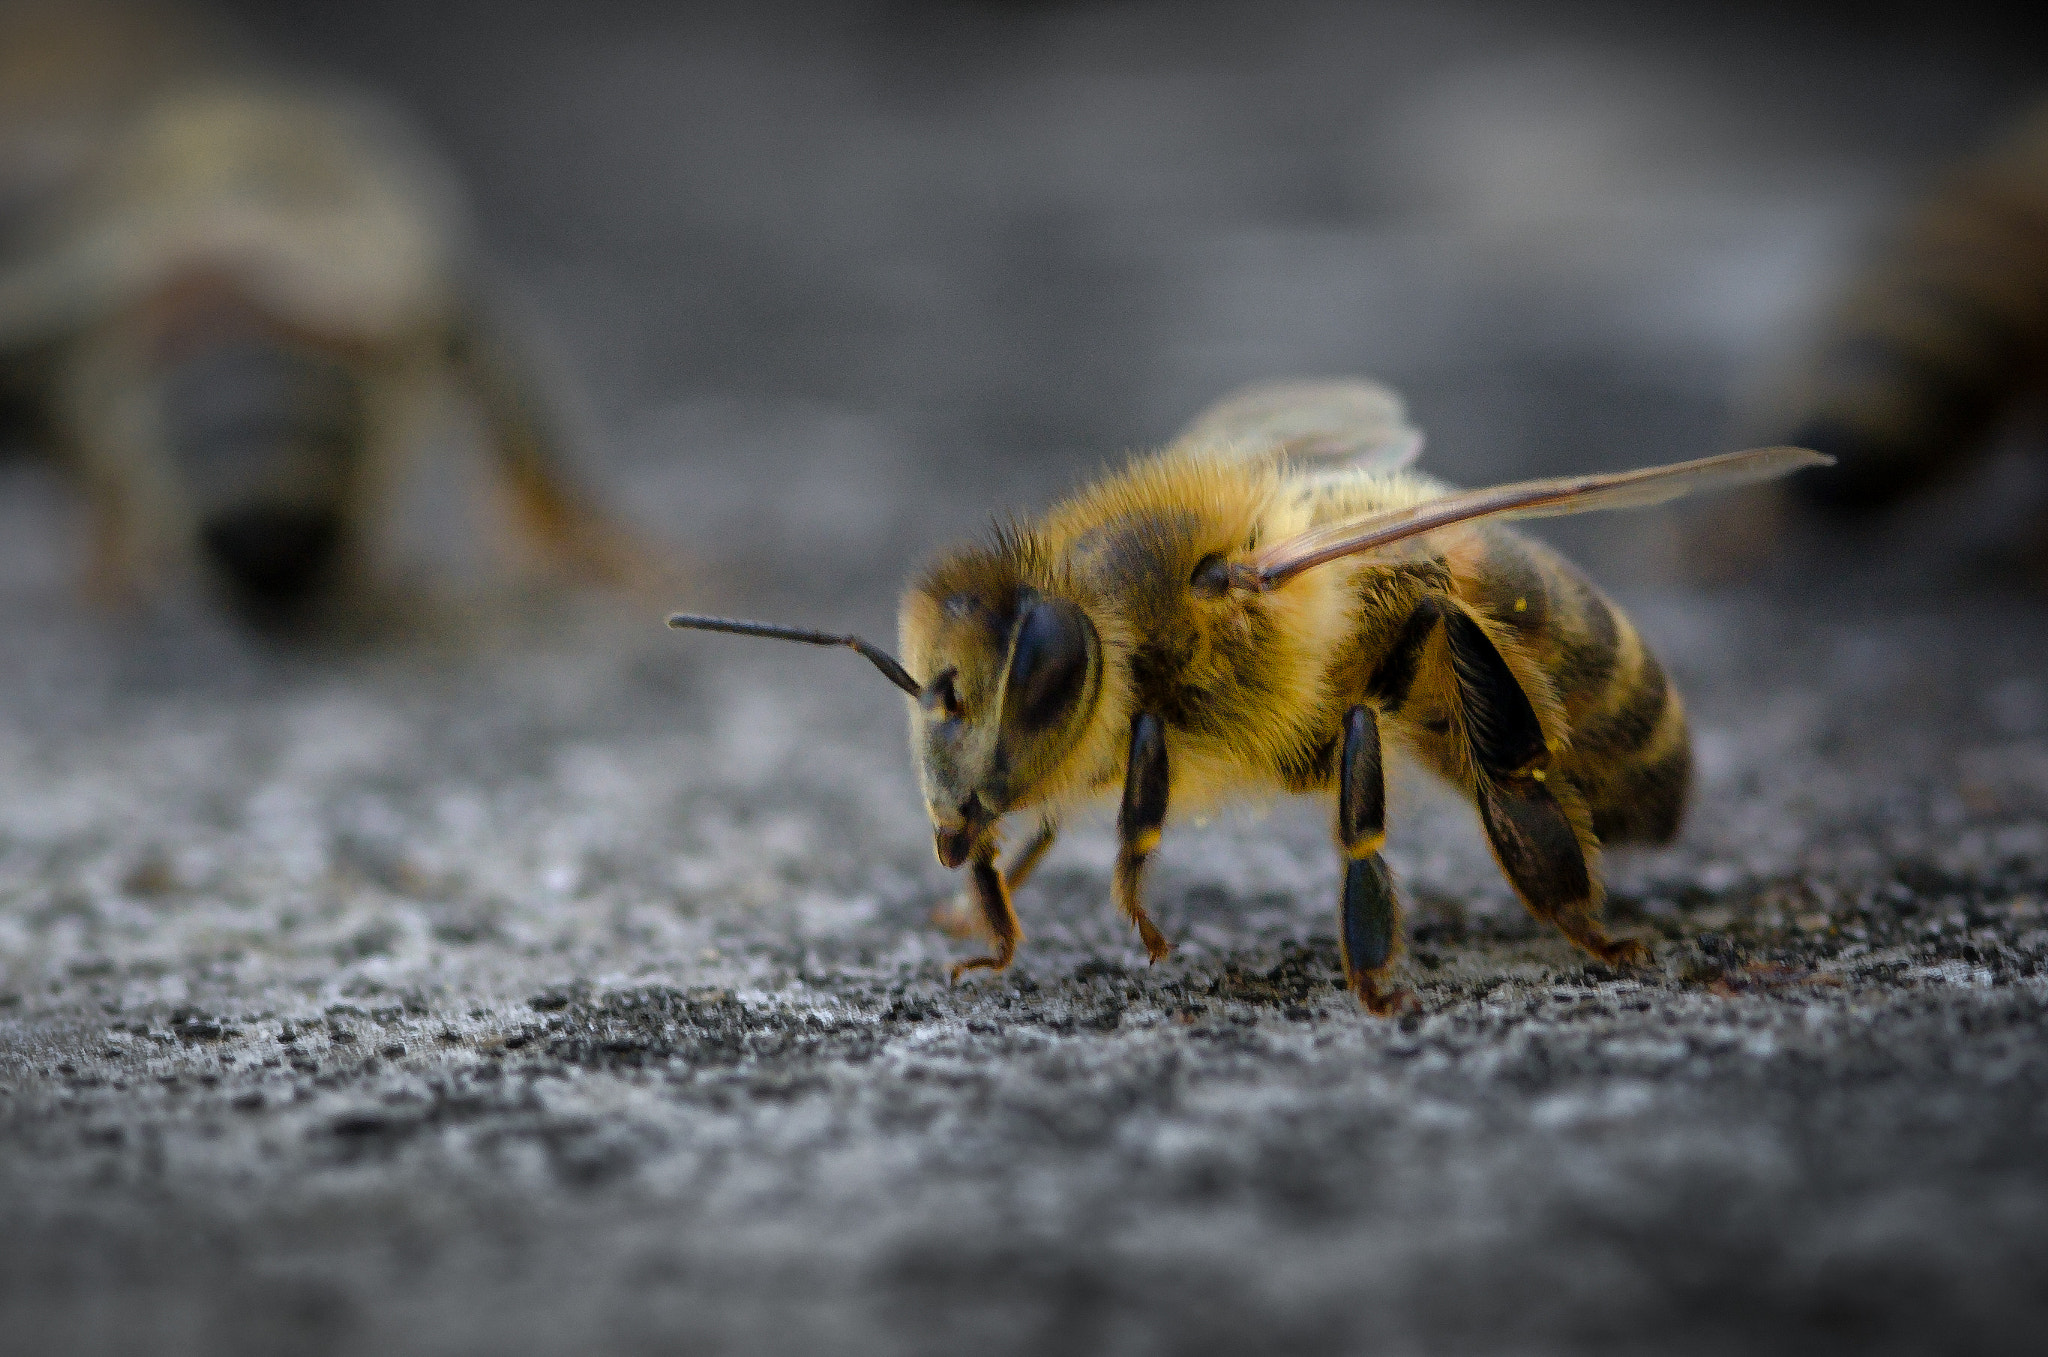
[{"x": 540, "y": 981}]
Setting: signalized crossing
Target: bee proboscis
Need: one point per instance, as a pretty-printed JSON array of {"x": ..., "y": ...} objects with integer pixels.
[{"x": 1258, "y": 609}]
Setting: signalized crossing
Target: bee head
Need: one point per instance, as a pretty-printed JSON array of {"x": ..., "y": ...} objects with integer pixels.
[
  {"x": 1012, "y": 676},
  {"x": 1015, "y": 679}
]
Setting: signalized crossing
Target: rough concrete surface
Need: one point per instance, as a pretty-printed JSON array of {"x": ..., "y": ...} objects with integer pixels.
[{"x": 537, "y": 981}]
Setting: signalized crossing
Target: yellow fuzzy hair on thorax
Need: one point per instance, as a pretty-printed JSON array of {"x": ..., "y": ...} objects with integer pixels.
[{"x": 1126, "y": 544}]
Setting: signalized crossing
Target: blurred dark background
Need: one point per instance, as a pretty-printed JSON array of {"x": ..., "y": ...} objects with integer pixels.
[
  {"x": 789, "y": 251},
  {"x": 570, "y": 987}
]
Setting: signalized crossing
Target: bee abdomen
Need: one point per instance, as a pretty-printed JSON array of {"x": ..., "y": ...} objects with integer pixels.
[
  {"x": 1645, "y": 801},
  {"x": 1628, "y": 748},
  {"x": 273, "y": 553},
  {"x": 1629, "y": 727},
  {"x": 266, "y": 436},
  {"x": 1633, "y": 759}
]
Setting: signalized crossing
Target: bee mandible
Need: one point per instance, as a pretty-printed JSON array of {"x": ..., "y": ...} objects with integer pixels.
[{"x": 1260, "y": 609}]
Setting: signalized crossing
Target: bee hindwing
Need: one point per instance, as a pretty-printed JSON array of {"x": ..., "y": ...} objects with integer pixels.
[{"x": 1349, "y": 425}]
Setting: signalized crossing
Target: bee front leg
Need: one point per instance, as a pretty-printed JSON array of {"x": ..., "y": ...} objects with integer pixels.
[
  {"x": 1370, "y": 915},
  {"x": 992, "y": 893},
  {"x": 1535, "y": 839},
  {"x": 963, "y": 917},
  {"x": 1137, "y": 827}
]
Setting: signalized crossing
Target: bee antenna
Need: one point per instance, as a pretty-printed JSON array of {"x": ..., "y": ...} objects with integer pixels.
[{"x": 881, "y": 659}]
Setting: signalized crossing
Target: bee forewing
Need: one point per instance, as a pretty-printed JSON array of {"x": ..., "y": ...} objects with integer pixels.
[
  {"x": 1360, "y": 423},
  {"x": 1527, "y": 499},
  {"x": 1657, "y": 484}
]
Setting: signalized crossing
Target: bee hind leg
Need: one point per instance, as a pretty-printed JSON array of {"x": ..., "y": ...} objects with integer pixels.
[
  {"x": 1137, "y": 827},
  {"x": 1535, "y": 840},
  {"x": 1539, "y": 852},
  {"x": 1369, "y": 916}
]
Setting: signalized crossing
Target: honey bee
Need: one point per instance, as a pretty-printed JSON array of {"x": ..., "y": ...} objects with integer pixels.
[
  {"x": 1262, "y": 608},
  {"x": 1935, "y": 341},
  {"x": 238, "y": 322}
]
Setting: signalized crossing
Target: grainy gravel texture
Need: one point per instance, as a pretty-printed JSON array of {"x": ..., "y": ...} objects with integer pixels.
[{"x": 536, "y": 981}]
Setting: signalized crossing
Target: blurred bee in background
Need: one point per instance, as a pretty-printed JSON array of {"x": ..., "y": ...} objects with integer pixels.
[
  {"x": 70, "y": 75},
  {"x": 1934, "y": 345},
  {"x": 1262, "y": 608},
  {"x": 69, "y": 72},
  {"x": 233, "y": 321}
]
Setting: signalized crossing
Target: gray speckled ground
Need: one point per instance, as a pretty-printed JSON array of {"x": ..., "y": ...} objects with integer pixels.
[{"x": 546, "y": 982}]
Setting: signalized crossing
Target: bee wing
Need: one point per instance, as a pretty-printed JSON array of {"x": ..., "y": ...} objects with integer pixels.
[
  {"x": 1287, "y": 558},
  {"x": 1359, "y": 424}
]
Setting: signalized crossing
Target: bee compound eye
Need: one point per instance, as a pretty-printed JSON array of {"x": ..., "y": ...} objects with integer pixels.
[
  {"x": 1212, "y": 577},
  {"x": 943, "y": 695},
  {"x": 1049, "y": 663}
]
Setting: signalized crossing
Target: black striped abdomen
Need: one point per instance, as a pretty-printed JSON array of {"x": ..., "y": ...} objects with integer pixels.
[
  {"x": 266, "y": 435},
  {"x": 1630, "y": 754}
]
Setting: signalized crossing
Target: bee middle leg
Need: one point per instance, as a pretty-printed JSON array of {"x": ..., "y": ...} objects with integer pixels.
[
  {"x": 1369, "y": 918},
  {"x": 1534, "y": 839},
  {"x": 1137, "y": 827},
  {"x": 963, "y": 916}
]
